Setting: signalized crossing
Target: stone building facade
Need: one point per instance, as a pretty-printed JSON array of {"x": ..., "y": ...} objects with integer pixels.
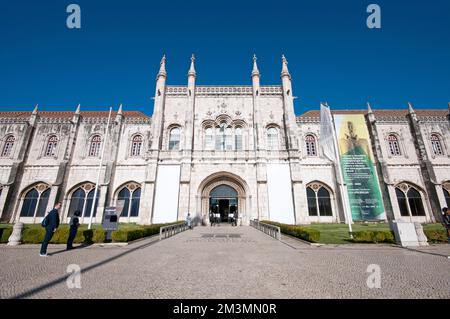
[{"x": 214, "y": 148}]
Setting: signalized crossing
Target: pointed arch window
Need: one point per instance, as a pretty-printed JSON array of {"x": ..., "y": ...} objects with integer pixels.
[
  {"x": 52, "y": 144},
  {"x": 94, "y": 147},
  {"x": 8, "y": 146},
  {"x": 394, "y": 146},
  {"x": 272, "y": 138},
  {"x": 409, "y": 200},
  {"x": 35, "y": 201},
  {"x": 131, "y": 195},
  {"x": 174, "y": 139},
  {"x": 319, "y": 200},
  {"x": 82, "y": 199},
  {"x": 447, "y": 195},
  {"x": 436, "y": 145},
  {"x": 209, "y": 138},
  {"x": 238, "y": 138},
  {"x": 136, "y": 145},
  {"x": 220, "y": 137},
  {"x": 311, "y": 146},
  {"x": 228, "y": 139}
]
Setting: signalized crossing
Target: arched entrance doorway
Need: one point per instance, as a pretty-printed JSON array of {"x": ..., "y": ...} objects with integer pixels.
[
  {"x": 223, "y": 193},
  {"x": 223, "y": 200}
]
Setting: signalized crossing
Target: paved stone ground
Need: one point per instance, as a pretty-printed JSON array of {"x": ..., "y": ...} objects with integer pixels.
[{"x": 226, "y": 262}]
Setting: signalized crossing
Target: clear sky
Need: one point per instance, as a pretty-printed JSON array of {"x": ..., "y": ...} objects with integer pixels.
[{"x": 332, "y": 55}]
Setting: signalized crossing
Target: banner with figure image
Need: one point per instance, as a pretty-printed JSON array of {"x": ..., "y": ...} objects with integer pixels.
[{"x": 358, "y": 169}]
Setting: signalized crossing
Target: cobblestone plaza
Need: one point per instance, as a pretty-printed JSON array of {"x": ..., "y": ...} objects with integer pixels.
[{"x": 226, "y": 262}]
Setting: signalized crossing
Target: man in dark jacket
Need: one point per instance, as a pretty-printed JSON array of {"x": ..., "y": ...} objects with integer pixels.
[
  {"x": 446, "y": 221},
  {"x": 74, "y": 223},
  {"x": 51, "y": 223}
]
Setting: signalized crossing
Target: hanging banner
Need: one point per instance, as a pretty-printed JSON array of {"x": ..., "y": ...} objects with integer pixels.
[{"x": 358, "y": 169}]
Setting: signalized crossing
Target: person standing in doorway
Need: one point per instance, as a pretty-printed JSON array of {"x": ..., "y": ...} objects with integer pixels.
[
  {"x": 74, "y": 223},
  {"x": 51, "y": 223}
]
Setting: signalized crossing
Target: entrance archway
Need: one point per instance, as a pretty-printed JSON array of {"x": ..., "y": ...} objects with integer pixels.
[
  {"x": 225, "y": 193},
  {"x": 223, "y": 200}
]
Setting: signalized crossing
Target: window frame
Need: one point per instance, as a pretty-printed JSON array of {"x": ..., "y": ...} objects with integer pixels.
[
  {"x": 437, "y": 147},
  {"x": 51, "y": 146},
  {"x": 6, "y": 143},
  {"x": 136, "y": 145},
  {"x": 95, "y": 146},
  {"x": 273, "y": 142},
  {"x": 393, "y": 144},
  {"x": 311, "y": 145}
]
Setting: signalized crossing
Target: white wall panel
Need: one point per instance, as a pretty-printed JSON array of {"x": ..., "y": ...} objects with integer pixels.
[
  {"x": 166, "y": 197},
  {"x": 281, "y": 207}
]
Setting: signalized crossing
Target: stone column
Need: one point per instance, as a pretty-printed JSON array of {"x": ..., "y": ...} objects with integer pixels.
[
  {"x": 183, "y": 202},
  {"x": 16, "y": 235},
  {"x": 101, "y": 204},
  {"x": 146, "y": 203},
  {"x": 300, "y": 203},
  {"x": 394, "y": 202},
  {"x": 3, "y": 196},
  {"x": 263, "y": 210},
  {"x": 52, "y": 200}
]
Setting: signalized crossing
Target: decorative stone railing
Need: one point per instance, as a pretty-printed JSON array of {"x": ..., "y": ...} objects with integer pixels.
[{"x": 271, "y": 230}]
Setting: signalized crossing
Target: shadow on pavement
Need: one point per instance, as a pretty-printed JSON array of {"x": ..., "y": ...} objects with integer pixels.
[{"x": 89, "y": 268}]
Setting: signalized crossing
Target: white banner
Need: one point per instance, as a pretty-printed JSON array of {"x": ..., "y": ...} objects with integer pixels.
[{"x": 326, "y": 138}]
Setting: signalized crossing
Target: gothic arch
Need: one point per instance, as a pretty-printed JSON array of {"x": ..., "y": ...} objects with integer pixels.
[
  {"x": 316, "y": 185},
  {"x": 222, "y": 178}
]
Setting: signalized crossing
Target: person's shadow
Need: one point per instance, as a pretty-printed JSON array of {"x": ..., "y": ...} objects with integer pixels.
[{"x": 66, "y": 251}]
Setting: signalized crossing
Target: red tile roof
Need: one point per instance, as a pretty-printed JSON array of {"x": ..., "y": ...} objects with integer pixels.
[
  {"x": 380, "y": 113},
  {"x": 69, "y": 114}
]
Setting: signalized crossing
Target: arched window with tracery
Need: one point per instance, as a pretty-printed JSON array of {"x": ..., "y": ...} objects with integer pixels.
[
  {"x": 220, "y": 136},
  {"x": 228, "y": 139},
  {"x": 436, "y": 145},
  {"x": 209, "y": 138},
  {"x": 394, "y": 146},
  {"x": 174, "y": 139},
  {"x": 94, "y": 147},
  {"x": 136, "y": 145},
  {"x": 35, "y": 201},
  {"x": 311, "y": 146},
  {"x": 8, "y": 146},
  {"x": 319, "y": 200},
  {"x": 130, "y": 194},
  {"x": 82, "y": 199},
  {"x": 238, "y": 138},
  {"x": 272, "y": 138},
  {"x": 52, "y": 144},
  {"x": 409, "y": 200}
]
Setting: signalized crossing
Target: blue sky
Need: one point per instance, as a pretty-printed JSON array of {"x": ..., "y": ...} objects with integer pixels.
[{"x": 332, "y": 54}]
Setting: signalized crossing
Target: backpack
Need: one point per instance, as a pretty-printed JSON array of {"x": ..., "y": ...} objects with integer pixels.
[{"x": 44, "y": 222}]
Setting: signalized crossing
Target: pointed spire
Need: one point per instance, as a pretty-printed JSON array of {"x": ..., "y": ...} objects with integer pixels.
[
  {"x": 369, "y": 108},
  {"x": 284, "y": 69},
  {"x": 192, "y": 68},
  {"x": 78, "y": 110},
  {"x": 255, "y": 70},
  {"x": 119, "y": 115},
  {"x": 162, "y": 68},
  {"x": 410, "y": 109},
  {"x": 35, "y": 110}
]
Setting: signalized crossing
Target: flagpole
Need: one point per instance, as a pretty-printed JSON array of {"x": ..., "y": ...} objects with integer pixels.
[
  {"x": 341, "y": 183},
  {"x": 99, "y": 170}
]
